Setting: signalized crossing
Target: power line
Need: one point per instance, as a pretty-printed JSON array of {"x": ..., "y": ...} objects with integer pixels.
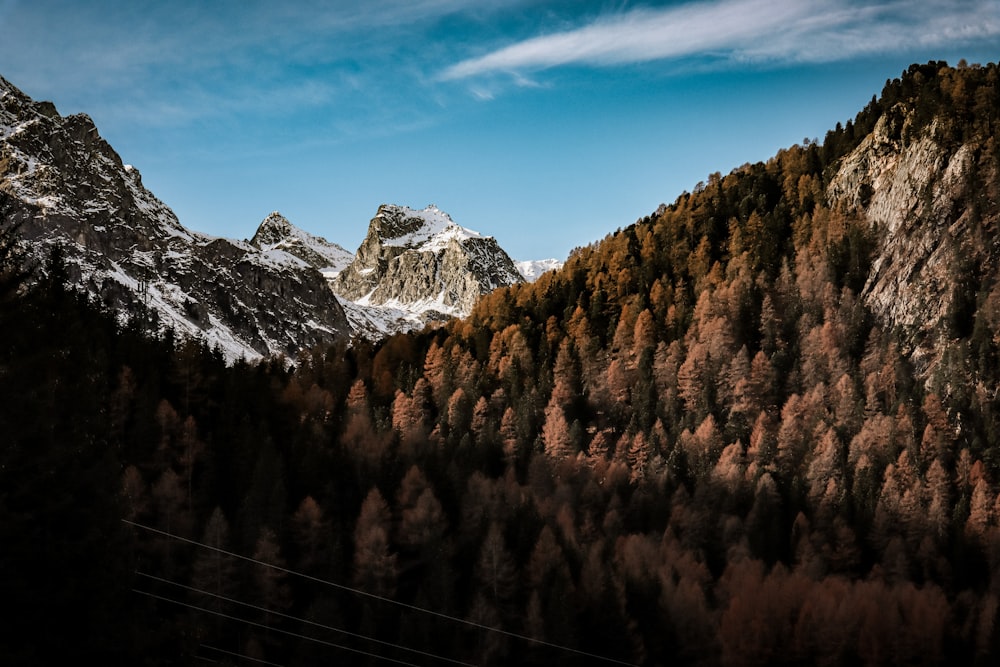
[
  {"x": 304, "y": 620},
  {"x": 239, "y": 655},
  {"x": 404, "y": 605},
  {"x": 270, "y": 629}
]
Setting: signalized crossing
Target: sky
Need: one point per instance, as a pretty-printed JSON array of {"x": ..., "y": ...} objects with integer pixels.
[{"x": 547, "y": 125}]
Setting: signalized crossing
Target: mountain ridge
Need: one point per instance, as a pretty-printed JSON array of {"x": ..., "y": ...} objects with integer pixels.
[
  {"x": 69, "y": 188},
  {"x": 264, "y": 296}
]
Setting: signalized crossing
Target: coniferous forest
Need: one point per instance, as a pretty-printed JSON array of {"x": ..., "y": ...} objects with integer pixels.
[{"x": 694, "y": 444}]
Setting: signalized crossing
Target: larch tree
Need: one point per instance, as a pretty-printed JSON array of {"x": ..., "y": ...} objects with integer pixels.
[
  {"x": 643, "y": 335},
  {"x": 980, "y": 513},
  {"x": 552, "y": 590},
  {"x": 509, "y": 436},
  {"x": 938, "y": 437},
  {"x": 270, "y": 579},
  {"x": 361, "y": 440},
  {"x": 459, "y": 413},
  {"x": 939, "y": 508},
  {"x": 437, "y": 374},
  {"x": 214, "y": 572},
  {"x": 375, "y": 568},
  {"x": 135, "y": 493},
  {"x": 496, "y": 589},
  {"x": 311, "y": 534},
  {"x": 556, "y": 432},
  {"x": 692, "y": 386}
]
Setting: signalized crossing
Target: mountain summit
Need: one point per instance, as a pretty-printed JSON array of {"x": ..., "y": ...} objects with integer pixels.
[
  {"x": 421, "y": 261},
  {"x": 277, "y": 235}
]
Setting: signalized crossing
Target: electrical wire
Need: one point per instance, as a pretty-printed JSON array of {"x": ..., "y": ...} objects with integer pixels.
[
  {"x": 374, "y": 596},
  {"x": 270, "y": 629},
  {"x": 304, "y": 620},
  {"x": 239, "y": 655}
]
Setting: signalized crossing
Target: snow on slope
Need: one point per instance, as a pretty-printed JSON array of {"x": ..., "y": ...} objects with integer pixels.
[
  {"x": 531, "y": 269},
  {"x": 278, "y": 237},
  {"x": 434, "y": 233},
  {"x": 125, "y": 247}
]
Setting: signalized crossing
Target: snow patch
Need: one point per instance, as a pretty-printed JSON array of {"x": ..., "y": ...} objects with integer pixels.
[
  {"x": 532, "y": 269},
  {"x": 437, "y": 230}
]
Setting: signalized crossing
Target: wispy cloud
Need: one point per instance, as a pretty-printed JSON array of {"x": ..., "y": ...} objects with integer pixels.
[
  {"x": 176, "y": 63},
  {"x": 741, "y": 30}
]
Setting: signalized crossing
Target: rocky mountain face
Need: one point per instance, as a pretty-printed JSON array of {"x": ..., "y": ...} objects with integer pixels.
[
  {"x": 69, "y": 188},
  {"x": 925, "y": 196},
  {"x": 414, "y": 267},
  {"x": 420, "y": 262},
  {"x": 277, "y": 236}
]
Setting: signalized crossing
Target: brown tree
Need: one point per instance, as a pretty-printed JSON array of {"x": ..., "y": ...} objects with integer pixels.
[
  {"x": 311, "y": 533},
  {"x": 270, "y": 579},
  {"x": 375, "y": 569},
  {"x": 556, "y": 435}
]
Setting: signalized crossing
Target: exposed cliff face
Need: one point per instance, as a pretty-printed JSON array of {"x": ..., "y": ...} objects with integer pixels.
[
  {"x": 931, "y": 240},
  {"x": 421, "y": 261},
  {"x": 277, "y": 236},
  {"x": 122, "y": 244}
]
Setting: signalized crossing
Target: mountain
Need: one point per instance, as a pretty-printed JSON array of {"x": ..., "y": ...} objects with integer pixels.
[
  {"x": 531, "y": 269},
  {"x": 70, "y": 189},
  {"x": 276, "y": 237},
  {"x": 421, "y": 263},
  {"x": 269, "y": 295},
  {"x": 400, "y": 282}
]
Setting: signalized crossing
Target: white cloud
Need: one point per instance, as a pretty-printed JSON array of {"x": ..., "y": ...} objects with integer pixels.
[{"x": 740, "y": 30}]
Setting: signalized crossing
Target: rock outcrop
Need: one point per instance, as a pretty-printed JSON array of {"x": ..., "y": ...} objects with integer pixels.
[
  {"x": 422, "y": 262},
  {"x": 918, "y": 189},
  {"x": 277, "y": 236}
]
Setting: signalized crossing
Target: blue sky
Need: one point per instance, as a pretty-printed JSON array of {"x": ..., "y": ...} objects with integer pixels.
[{"x": 544, "y": 124}]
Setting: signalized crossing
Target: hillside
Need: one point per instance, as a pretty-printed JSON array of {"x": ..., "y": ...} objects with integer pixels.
[{"x": 758, "y": 426}]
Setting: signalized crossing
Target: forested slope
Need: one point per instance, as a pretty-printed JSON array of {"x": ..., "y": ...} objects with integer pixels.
[{"x": 708, "y": 439}]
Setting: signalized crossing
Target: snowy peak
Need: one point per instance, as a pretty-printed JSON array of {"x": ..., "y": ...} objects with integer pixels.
[
  {"x": 277, "y": 236},
  {"x": 532, "y": 269},
  {"x": 422, "y": 263},
  {"x": 268, "y": 295},
  {"x": 274, "y": 229},
  {"x": 402, "y": 226}
]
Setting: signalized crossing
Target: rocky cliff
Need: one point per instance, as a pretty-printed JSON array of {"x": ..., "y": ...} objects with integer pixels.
[
  {"x": 922, "y": 191},
  {"x": 278, "y": 237},
  {"x": 69, "y": 188},
  {"x": 420, "y": 261}
]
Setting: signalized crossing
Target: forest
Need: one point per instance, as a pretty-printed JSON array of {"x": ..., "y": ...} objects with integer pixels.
[{"x": 694, "y": 444}]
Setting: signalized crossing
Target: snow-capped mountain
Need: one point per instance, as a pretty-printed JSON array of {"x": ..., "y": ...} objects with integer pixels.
[
  {"x": 278, "y": 238},
  {"x": 283, "y": 290},
  {"x": 531, "y": 269},
  {"x": 420, "y": 264},
  {"x": 124, "y": 246},
  {"x": 403, "y": 275}
]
